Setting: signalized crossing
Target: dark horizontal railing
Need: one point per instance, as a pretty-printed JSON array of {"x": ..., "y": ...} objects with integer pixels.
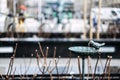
[
  {"x": 57, "y": 34},
  {"x": 61, "y": 77},
  {"x": 26, "y": 46}
]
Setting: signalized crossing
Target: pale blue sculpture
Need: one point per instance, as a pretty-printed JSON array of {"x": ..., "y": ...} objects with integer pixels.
[{"x": 96, "y": 45}]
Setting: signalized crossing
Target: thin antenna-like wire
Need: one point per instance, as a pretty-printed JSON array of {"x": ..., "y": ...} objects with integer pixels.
[
  {"x": 110, "y": 57},
  {"x": 96, "y": 67},
  {"x": 28, "y": 66},
  {"x": 12, "y": 61},
  {"x": 14, "y": 73},
  {"x": 56, "y": 66},
  {"x": 105, "y": 67},
  {"x": 37, "y": 57},
  {"x": 40, "y": 47},
  {"x": 54, "y": 53},
  {"x": 79, "y": 68}
]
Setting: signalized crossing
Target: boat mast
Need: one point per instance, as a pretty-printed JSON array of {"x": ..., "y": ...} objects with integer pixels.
[
  {"x": 99, "y": 21},
  {"x": 14, "y": 15},
  {"x": 91, "y": 34},
  {"x": 85, "y": 11}
]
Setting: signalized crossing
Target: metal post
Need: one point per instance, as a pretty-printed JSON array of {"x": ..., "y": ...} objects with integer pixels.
[{"x": 83, "y": 66}]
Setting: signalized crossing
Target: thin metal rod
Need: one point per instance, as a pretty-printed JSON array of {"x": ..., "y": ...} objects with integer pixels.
[
  {"x": 30, "y": 61},
  {"x": 89, "y": 66},
  {"x": 105, "y": 68},
  {"x": 79, "y": 68},
  {"x": 14, "y": 73},
  {"x": 83, "y": 67},
  {"x": 56, "y": 66},
  {"x": 12, "y": 61},
  {"x": 38, "y": 57},
  {"x": 67, "y": 67},
  {"x": 110, "y": 57},
  {"x": 96, "y": 67},
  {"x": 54, "y": 53},
  {"x": 41, "y": 49},
  {"x": 69, "y": 61},
  {"x": 45, "y": 63}
]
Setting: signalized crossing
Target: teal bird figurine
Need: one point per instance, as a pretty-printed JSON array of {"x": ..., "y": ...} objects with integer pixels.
[{"x": 96, "y": 45}]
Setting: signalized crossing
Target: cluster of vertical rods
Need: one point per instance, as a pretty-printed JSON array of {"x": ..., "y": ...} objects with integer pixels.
[{"x": 46, "y": 67}]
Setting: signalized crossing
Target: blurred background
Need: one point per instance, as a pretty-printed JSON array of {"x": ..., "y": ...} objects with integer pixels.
[
  {"x": 65, "y": 18},
  {"x": 61, "y": 23}
]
